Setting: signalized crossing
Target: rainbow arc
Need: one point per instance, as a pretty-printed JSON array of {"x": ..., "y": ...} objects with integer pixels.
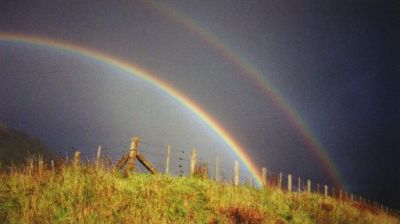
[
  {"x": 258, "y": 79},
  {"x": 146, "y": 76}
]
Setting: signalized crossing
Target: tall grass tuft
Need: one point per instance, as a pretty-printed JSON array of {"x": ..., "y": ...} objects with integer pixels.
[{"x": 89, "y": 195}]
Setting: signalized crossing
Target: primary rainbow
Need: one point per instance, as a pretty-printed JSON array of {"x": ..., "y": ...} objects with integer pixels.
[
  {"x": 145, "y": 76},
  {"x": 259, "y": 80}
]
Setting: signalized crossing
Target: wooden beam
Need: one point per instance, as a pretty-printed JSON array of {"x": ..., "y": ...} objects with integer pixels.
[
  {"x": 326, "y": 190},
  {"x": 217, "y": 169},
  {"x": 77, "y": 159},
  {"x": 193, "y": 162},
  {"x": 264, "y": 176},
  {"x": 98, "y": 157},
  {"x": 168, "y": 159},
  {"x": 236, "y": 174},
  {"x": 132, "y": 154},
  {"x": 52, "y": 166},
  {"x": 299, "y": 185},
  {"x": 41, "y": 164},
  {"x": 121, "y": 162},
  {"x": 146, "y": 163}
]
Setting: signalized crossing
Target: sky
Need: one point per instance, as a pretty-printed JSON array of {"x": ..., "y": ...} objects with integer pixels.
[{"x": 335, "y": 63}]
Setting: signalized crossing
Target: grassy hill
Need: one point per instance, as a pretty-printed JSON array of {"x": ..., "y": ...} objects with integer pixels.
[
  {"x": 84, "y": 195},
  {"x": 16, "y": 146}
]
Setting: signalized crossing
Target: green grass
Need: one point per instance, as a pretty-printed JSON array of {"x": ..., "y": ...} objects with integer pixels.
[{"x": 105, "y": 196}]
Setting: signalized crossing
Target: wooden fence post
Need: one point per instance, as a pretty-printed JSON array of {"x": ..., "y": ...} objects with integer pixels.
[
  {"x": 264, "y": 176},
  {"x": 309, "y": 186},
  {"x": 236, "y": 174},
  {"x": 168, "y": 159},
  {"x": 333, "y": 192},
  {"x": 299, "y": 185},
  {"x": 318, "y": 188},
  {"x": 40, "y": 165},
  {"x": 326, "y": 190},
  {"x": 290, "y": 183},
  {"x": 280, "y": 181},
  {"x": 77, "y": 159},
  {"x": 30, "y": 167},
  {"x": 217, "y": 169},
  {"x": 98, "y": 157},
  {"x": 193, "y": 162},
  {"x": 52, "y": 166},
  {"x": 132, "y": 154}
]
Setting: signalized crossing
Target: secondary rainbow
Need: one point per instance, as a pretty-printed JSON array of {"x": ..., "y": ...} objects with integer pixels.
[
  {"x": 258, "y": 79},
  {"x": 146, "y": 76}
]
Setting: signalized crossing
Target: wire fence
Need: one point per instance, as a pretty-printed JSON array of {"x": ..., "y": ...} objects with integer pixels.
[{"x": 180, "y": 161}]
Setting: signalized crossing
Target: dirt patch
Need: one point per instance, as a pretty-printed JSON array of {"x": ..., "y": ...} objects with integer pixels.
[{"x": 249, "y": 215}]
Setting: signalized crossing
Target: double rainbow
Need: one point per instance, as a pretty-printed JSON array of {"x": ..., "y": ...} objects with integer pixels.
[{"x": 258, "y": 79}]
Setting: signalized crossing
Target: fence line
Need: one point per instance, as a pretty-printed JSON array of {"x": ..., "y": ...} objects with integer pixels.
[{"x": 176, "y": 162}]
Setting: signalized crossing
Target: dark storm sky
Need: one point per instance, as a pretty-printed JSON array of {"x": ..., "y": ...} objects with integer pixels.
[{"x": 335, "y": 62}]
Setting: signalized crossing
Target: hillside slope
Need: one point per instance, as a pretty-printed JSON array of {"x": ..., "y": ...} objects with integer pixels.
[
  {"x": 15, "y": 146},
  {"x": 84, "y": 195}
]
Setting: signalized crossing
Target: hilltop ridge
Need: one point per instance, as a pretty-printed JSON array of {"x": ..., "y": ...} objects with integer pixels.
[
  {"x": 86, "y": 194},
  {"x": 15, "y": 146}
]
